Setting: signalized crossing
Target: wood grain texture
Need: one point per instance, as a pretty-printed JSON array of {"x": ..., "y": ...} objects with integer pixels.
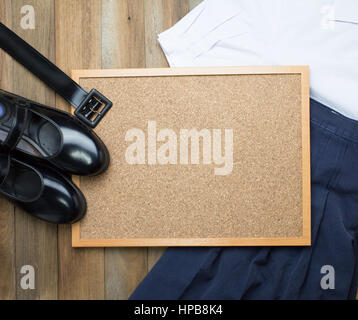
[
  {"x": 78, "y": 45},
  {"x": 123, "y": 46},
  {"x": 123, "y": 34},
  {"x": 7, "y": 220},
  {"x": 36, "y": 241},
  {"x": 159, "y": 16},
  {"x": 124, "y": 270}
]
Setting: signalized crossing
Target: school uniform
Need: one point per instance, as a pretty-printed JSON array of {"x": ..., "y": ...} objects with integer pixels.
[{"x": 322, "y": 34}]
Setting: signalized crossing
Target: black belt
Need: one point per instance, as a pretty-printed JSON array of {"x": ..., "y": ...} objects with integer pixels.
[{"x": 90, "y": 107}]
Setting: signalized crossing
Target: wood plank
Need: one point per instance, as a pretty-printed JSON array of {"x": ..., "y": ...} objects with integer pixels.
[
  {"x": 78, "y": 46},
  {"x": 36, "y": 241},
  {"x": 125, "y": 269},
  {"x": 123, "y": 46},
  {"x": 123, "y": 34},
  {"x": 159, "y": 16},
  {"x": 7, "y": 219}
]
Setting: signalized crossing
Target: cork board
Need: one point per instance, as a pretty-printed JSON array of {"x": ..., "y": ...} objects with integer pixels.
[{"x": 200, "y": 157}]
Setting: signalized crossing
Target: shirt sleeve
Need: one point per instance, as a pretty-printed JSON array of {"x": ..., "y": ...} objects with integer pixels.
[{"x": 199, "y": 30}]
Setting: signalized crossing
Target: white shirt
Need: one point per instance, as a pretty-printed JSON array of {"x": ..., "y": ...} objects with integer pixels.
[{"x": 320, "y": 33}]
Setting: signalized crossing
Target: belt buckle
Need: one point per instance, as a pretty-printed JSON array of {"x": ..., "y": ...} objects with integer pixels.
[{"x": 89, "y": 110}]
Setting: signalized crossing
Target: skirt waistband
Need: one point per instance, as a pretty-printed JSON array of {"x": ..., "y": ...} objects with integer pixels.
[{"x": 333, "y": 121}]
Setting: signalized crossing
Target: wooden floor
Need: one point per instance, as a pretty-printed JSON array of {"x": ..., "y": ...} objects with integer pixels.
[{"x": 77, "y": 34}]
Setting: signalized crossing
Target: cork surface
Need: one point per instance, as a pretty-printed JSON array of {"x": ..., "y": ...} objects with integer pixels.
[{"x": 261, "y": 197}]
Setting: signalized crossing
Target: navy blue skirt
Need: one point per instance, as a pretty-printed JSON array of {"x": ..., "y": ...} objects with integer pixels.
[{"x": 282, "y": 272}]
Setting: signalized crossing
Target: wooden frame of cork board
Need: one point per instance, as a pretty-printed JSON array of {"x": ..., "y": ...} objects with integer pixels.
[{"x": 156, "y": 195}]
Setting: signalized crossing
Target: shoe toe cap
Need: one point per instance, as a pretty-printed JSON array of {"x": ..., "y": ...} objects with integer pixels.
[
  {"x": 60, "y": 202},
  {"x": 85, "y": 155}
]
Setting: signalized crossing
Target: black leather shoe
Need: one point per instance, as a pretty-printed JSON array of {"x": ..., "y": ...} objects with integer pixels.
[
  {"x": 41, "y": 191},
  {"x": 52, "y": 135}
]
